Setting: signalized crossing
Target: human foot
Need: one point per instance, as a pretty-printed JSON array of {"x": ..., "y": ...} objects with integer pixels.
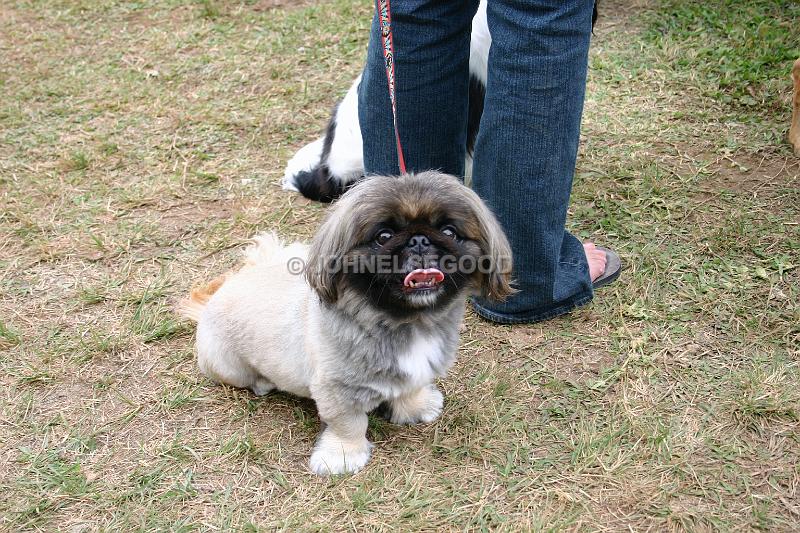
[{"x": 596, "y": 259}]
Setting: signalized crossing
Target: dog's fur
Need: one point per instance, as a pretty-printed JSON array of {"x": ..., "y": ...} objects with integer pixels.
[
  {"x": 354, "y": 340},
  {"x": 325, "y": 168},
  {"x": 794, "y": 129}
]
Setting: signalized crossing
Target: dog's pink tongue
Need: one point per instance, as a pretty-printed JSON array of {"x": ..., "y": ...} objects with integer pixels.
[{"x": 423, "y": 275}]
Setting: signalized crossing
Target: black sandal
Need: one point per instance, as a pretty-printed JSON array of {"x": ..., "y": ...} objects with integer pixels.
[{"x": 612, "y": 271}]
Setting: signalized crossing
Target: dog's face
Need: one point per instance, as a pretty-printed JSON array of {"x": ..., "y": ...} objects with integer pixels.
[{"x": 408, "y": 244}]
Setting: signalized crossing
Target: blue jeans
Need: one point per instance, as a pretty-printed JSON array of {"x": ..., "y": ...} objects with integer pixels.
[{"x": 526, "y": 148}]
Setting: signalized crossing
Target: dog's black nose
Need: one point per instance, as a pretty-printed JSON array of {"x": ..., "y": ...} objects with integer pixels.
[{"x": 419, "y": 243}]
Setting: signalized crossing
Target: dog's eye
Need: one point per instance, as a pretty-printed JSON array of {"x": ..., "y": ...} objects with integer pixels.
[
  {"x": 450, "y": 231},
  {"x": 383, "y": 236}
]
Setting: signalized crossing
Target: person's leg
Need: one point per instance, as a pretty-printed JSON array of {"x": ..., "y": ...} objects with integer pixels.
[
  {"x": 431, "y": 44},
  {"x": 526, "y": 149}
]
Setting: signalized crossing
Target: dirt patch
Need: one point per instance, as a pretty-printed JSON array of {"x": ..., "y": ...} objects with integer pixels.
[
  {"x": 179, "y": 219},
  {"x": 266, "y": 5},
  {"x": 754, "y": 174}
]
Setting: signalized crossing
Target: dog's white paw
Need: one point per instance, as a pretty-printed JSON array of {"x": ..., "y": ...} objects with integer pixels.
[
  {"x": 305, "y": 159},
  {"x": 333, "y": 455},
  {"x": 262, "y": 386},
  {"x": 421, "y": 407}
]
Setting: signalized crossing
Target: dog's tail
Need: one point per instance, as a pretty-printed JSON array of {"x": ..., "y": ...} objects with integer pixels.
[
  {"x": 199, "y": 296},
  {"x": 267, "y": 250}
]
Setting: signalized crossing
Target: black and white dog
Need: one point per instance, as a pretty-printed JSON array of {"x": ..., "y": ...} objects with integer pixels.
[{"x": 325, "y": 168}]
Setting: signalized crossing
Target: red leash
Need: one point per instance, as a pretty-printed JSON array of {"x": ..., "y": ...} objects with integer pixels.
[{"x": 385, "y": 15}]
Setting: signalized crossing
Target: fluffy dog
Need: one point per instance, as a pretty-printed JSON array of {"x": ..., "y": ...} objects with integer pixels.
[
  {"x": 374, "y": 320},
  {"x": 323, "y": 169}
]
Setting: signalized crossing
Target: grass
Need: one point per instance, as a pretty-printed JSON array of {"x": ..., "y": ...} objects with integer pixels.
[
  {"x": 141, "y": 144},
  {"x": 738, "y": 51}
]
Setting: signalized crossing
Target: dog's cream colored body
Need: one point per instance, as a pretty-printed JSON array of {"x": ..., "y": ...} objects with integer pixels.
[{"x": 265, "y": 328}]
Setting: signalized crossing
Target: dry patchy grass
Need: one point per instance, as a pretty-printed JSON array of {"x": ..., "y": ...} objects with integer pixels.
[{"x": 142, "y": 143}]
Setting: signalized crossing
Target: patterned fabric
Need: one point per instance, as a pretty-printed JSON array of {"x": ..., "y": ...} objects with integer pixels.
[{"x": 385, "y": 16}]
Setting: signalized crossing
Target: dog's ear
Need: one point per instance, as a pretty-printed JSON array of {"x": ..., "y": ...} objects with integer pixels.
[
  {"x": 332, "y": 241},
  {"x": 497, "y": 262}
]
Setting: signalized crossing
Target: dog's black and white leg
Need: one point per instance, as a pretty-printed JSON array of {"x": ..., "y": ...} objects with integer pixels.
[
  {"x": 325, "y": 168},
  {"x": 303, "y": 162}
]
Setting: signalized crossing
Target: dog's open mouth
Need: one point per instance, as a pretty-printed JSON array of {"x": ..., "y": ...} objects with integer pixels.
[{"x": 423, "y": 279}]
